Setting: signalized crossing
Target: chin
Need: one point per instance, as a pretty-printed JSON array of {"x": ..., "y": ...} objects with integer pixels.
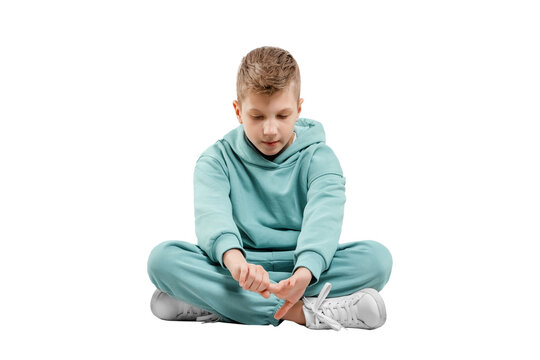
[{"x": 269, "y": 153}]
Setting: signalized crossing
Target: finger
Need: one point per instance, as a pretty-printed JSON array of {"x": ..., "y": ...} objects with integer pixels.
[
  {"x": 288, "y": 285},
  {"x": 273, "y": 288},
  {"x": 257, "y": 280},
  {"x": 265, "y": 294},
  {"x": 243, "y": 275},
  {"x": 265, "y": 281},
  {"x": 287, "y": 305},
  {"x": 284, "y": 284},
  {"x": 249, "y": 279},
  {"x": 292, "y": 282},
  {"x": 276, "y": 288}
]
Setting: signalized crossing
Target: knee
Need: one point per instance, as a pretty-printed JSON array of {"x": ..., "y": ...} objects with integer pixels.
[
  {"x": 159, "y": 259},
  {"x": 381, "y": 261}
]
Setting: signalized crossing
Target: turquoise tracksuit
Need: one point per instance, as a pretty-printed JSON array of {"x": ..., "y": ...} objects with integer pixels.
[{"x": 281, "y": 214}]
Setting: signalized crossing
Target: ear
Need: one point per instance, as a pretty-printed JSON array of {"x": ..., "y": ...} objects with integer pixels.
[
  {"x": 237, "y": 110},
  {"x": 300, "y": 105}
]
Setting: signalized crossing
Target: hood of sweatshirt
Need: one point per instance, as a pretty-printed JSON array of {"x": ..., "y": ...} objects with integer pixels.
[{"x": 308, "y": 132}]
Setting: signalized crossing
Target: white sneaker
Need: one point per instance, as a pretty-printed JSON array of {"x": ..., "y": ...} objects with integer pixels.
[
  {"x": 166, "y": 307},
  {"x": 364, "y": 309}
]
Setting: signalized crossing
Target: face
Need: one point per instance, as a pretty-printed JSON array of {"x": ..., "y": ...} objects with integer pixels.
[{"x": 269, "y": 120}]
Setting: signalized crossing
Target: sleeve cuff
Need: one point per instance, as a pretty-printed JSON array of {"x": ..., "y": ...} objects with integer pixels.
[
  {"x": 226, "y": 242},
  {"x": 313, "y": 262}
]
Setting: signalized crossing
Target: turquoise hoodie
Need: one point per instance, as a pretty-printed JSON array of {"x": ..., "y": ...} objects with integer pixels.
[{"x": 295, "y": 202}]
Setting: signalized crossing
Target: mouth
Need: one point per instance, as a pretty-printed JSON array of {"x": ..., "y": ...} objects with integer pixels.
[{"x": 271, "y": 143}]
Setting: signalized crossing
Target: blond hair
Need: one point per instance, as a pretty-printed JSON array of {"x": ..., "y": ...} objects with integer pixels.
[{"x": 267, "y": 70}]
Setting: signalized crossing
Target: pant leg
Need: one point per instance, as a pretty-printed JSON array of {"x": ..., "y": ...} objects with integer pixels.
[
  {"x": 185, "y": 272},
  {"x": 355, "y": 266}
]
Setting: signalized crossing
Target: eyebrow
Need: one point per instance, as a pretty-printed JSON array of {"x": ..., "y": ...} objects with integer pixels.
[{"x": 282, "y": 110}]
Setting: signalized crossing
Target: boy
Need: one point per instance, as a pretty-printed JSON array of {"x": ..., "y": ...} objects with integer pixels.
[{"x": 269, "y": 200}]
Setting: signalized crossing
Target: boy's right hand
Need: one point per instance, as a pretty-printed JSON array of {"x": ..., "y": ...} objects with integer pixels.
[{"x": 250, "y": 276}]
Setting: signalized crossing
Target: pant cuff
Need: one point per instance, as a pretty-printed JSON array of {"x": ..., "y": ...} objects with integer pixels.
[{"x": 273, "y": 320}]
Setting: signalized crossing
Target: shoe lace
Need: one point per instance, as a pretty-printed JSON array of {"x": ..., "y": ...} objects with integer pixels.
[
  {"x": 209, "y": 317},
  {"x": 333, "y": 313}
]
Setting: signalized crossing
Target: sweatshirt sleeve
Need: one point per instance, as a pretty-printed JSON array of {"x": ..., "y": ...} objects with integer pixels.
[
  {"x": 323, "y": 214},
  {"x": 215, "y": 228}
]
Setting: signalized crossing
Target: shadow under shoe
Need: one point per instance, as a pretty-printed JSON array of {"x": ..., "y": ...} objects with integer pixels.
[
  {"x": 364, "y": 309},
  {"x": 168, "y": 308}
]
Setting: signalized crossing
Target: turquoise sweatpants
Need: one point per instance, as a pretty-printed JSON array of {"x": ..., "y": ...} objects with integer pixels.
[{"x": 183, "y": 271}]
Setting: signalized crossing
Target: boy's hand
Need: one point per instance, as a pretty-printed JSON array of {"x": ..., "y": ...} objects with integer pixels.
[
  {"x": 291, "y": 290},
  {"x": 250, "y": 276}
]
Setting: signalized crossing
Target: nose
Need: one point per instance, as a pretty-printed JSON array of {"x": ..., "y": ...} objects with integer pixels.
[{"x": 270, "y": 127}]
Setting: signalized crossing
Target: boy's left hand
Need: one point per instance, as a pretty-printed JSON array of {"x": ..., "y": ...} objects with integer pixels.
[{"x": 291, "y": 289}]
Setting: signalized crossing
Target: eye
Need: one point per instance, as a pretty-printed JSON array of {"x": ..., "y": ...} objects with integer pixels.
[{"x": 259, "y": 117}]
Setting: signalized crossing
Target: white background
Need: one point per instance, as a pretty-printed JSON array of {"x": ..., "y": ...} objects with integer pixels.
[{"x": 431, "y": 107}]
